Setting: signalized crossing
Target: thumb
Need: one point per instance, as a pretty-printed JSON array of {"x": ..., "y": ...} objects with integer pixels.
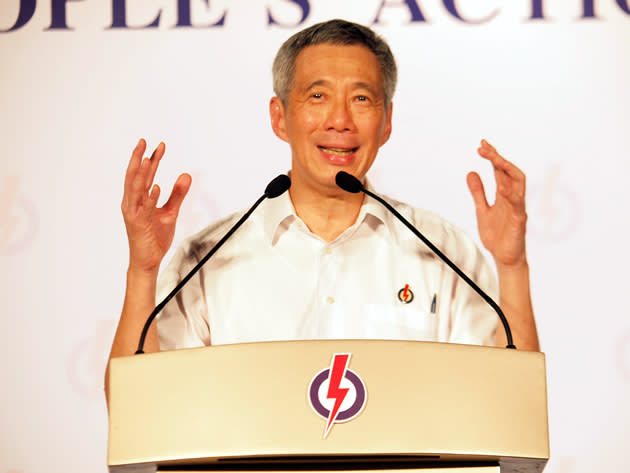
[
  {"x": 180, "y": 189},
  {"x": 477, "y": 191}
]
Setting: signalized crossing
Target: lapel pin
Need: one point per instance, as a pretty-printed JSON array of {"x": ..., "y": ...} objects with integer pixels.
[{"x": 405, "y": 295}]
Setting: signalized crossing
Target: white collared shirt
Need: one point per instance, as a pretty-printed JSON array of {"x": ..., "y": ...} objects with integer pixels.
[{"x": 275, "y": 280}]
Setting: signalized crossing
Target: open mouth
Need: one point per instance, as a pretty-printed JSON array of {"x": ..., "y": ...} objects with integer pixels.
[{"x": 338, "y": 151}]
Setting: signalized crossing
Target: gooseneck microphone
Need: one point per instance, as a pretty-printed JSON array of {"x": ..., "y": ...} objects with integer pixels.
[
  {"x": 349, "y": 183},
  {"x": 275, "y": 188}
]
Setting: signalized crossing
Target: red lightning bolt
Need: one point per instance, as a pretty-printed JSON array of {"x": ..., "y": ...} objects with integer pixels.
[
  {"x": 337, "y": 372},
  {"x": 405, "y": 295}
]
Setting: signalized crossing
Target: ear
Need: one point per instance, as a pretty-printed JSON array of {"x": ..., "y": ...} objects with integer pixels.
[
  {"x": 387, "y": 130},
  {"x": 278, "y": 121}
]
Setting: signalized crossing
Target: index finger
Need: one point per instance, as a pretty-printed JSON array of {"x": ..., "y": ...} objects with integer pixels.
[
  {"x": 156, "y": 156},
  {"x": 134, "y": 162},
  {"x": 487, "y": 151}
]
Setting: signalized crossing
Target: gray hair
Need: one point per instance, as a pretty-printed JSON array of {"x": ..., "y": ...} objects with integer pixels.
[{"x": 338, "y": 32}]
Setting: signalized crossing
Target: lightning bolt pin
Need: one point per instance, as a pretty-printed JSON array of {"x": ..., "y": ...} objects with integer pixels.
[{"x": 405, "y": 295}]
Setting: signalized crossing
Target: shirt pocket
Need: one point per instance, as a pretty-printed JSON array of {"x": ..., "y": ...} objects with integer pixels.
[{"x": 399, "y": 323}]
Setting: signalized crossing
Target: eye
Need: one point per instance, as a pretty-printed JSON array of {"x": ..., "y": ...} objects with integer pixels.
[
  {"x": 317, "y": 95},
  {"x": 362, "y": 98}
]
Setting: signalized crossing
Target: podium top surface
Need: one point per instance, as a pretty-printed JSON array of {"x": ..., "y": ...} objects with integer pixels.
[{"x": 234, "y": 403}]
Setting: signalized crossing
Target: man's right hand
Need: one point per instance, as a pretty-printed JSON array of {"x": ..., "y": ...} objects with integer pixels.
[{"x": 150, "y": 229}]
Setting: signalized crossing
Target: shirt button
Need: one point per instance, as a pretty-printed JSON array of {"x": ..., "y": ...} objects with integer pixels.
[
  {"x": 328, "y": 250},
  {"x": 330, "y": 300}
]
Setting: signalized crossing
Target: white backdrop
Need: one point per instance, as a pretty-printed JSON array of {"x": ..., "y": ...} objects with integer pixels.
[{"x": 551, "y": 93}]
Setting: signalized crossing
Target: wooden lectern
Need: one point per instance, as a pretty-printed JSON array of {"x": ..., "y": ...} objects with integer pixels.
[{"x": 431, "y": 407}]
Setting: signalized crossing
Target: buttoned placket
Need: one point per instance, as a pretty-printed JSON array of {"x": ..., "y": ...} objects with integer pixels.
[{"x": 331, "y": 316}]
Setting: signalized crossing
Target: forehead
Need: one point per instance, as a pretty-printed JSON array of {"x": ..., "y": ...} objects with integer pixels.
[{"x": 337, "y": 63}]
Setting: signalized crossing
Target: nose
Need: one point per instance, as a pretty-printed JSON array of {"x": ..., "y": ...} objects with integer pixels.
[{"x": 339, "y": 117}]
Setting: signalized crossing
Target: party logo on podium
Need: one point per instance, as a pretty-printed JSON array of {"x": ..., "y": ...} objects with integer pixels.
[{"x": 337, "y": 394}]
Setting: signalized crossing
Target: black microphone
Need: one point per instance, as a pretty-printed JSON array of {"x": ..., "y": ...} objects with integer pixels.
[
  {"x": 278, "y": 186},
  {"x": 349, "y": 183},
  {"x": 275, "y": 188}
]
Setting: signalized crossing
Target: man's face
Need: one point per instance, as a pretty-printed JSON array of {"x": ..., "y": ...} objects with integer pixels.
[{"x": 335, "y": 117}]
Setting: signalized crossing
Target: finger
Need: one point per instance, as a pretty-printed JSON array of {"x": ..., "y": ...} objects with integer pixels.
[
  {"x": 486, "y": 144},
  {"x": 509, "y": 189},
  {"x": 132, "y": 168},
  {"x": 180, "y": 189},
  {"x": 477, "y": 192},
  {"x": 154, "y": 163},
  {"x": 150, "y": 203},
  {"x": 134, "y": 162},
  {"x": 514, "y": 184},
  {"x": 487, "y": 151},
  {"x": 137, "y": 192}
]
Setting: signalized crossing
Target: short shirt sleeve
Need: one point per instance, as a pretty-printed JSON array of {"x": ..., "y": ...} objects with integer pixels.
[
  {"x": 183, "y": 321},
  {"x": 473, "y": 320}
]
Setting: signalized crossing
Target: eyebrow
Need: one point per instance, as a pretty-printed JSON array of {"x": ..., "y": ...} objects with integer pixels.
[
  {"x": 357, "y": 85},
  {"x": 316, "y": 83}
]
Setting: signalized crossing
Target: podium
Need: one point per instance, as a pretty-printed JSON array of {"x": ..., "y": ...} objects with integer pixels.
[{"x": 431, "y": 407}]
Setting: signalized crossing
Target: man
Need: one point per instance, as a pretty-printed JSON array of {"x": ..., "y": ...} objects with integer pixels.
[{"x": 320, "y": 262}]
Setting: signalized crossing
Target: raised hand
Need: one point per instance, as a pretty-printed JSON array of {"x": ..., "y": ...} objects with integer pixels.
[
  {"x": 150, "y": 229},
  {"x": 502, "y": 224}
]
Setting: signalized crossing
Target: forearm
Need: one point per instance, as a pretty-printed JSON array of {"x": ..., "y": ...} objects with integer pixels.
[
  {"x": 515, "y": 301},
  {"x": 138, "y": 304}
]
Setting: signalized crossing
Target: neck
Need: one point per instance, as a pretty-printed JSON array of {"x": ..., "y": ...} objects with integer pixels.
[{"x": 326, "y": 214}]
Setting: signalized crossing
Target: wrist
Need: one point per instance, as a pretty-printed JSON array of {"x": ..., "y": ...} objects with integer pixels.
[
  {"x": 139, "y": 273},
  {"x": 521, "y": 266}
]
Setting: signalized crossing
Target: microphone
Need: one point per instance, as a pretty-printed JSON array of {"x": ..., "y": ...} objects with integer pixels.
[
  {"x": 349, "y": 183},
  {"x": 278, "y": 186}
]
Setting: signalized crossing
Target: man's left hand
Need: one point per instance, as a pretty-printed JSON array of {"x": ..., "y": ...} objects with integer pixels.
[{"x": 502, "y": 224}]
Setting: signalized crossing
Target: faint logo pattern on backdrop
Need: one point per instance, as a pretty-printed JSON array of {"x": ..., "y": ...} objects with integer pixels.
[
  {"x": 85, "y": 365},
  {"x": 19, "y": 222},
  {"x": 623, "y": 355},
  {"x": 555, "y": 206}
]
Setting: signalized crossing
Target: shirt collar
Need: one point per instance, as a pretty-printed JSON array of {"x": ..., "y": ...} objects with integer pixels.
[{"x": 279, "y": 213}]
